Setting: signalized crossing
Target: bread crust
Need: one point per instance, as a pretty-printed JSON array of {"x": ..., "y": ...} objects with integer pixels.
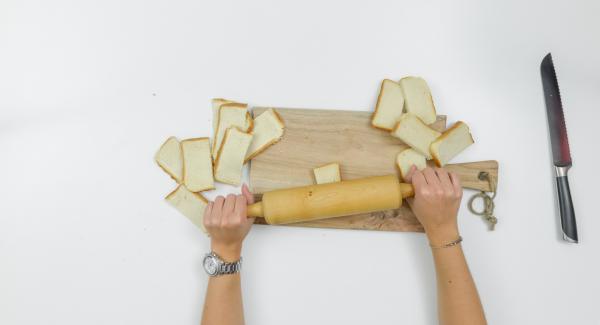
[
  {"x": 249, "y": 120},
  {"x": 198, "y": 195},
  {"x": 183, "y": 171},
  {"x": 180, "y": 156},
  {"x": 215, "y": 123},
  {"x": 377, "y": 106},
  {"x": 398, "y": 165},
  {"x": 270, "y": 143},
  {"x": 421, "y": 122},
  {"x": 263, "y": 148},
  {"x": 216, "y": 161},
  {"x": 430, "y": 96},
  {"x": 279, "y": 118},
  {"x": 436, "y": 158},
  {"x": 216, "y": 165}
]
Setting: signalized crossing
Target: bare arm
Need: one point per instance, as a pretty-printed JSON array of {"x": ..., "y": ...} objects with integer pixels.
[
  {"x": 227, "y": 223},
  {"x": 436, "y": 203}
]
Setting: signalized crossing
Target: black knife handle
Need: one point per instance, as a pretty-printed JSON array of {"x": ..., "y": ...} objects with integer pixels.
[{"x": 567, "y": 213}]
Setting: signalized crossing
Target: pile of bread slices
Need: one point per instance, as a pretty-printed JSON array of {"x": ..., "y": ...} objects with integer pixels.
[
  {"x": 405, "y": 109},
  {"x": 195, "y": 164}
]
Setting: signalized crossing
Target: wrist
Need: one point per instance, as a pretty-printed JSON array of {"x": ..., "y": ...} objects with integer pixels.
[
  {"x": 228, "y": 252},
  {"x": 442, "y": 235}
]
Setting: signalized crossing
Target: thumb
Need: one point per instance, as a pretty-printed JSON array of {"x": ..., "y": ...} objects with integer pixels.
[
  {"x": 410, "y": 201},
  {"x": 411, "y": 172},
  {"x": 247, "y": 194}
]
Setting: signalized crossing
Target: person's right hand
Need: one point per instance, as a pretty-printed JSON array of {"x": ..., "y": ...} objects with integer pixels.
[
  {"x": 436, "y": 202},
  {"x": 227, "y": 223}
]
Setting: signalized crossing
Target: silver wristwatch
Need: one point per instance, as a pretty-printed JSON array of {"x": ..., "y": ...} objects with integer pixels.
[{"x": 214, "y": 265}]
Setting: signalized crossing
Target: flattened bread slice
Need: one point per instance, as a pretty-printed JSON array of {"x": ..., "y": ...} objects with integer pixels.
[
  {"x": 418, "y": 135},
  {"x": 417, "y": 99},
  {"x": 197, "y": 164},
  {"x": 329, "y": 173},
  {"x": 407, "y": 158},
  {"x": 452, "y": 142},
  {"x": 268, "y": 130},
  {"x": 170, "y": 159},
  {"x": 230, "y": 158},
  {"x": 216, "y": 104},
  {"x": 190, "y": 204},
  {"x": 231, "y": 115},
  {"x": 389, "y": 105}
]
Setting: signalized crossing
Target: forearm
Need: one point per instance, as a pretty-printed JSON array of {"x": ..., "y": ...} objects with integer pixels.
[
  {"x": 223, "y": 303},
  {"x": 458, "y": 300}
]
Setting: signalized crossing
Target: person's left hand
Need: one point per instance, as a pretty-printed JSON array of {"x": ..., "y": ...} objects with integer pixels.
[{"x": 227, "y": 223}]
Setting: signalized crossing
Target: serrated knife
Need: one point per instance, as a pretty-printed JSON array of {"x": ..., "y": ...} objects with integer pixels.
[{"x": 561, "y": 154}]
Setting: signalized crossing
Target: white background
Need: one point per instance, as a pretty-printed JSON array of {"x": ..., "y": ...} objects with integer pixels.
[{"x": 90, "y": 89}]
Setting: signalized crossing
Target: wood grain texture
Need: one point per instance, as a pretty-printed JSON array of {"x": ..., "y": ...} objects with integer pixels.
[{"x": 316, "y": 137}]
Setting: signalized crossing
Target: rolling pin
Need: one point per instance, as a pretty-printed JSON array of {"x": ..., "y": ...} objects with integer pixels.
[{"x": 331, "y": 200}]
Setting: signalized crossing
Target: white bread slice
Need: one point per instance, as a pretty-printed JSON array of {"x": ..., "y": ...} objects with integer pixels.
[
  {"x": 197, "y": 165},
  {"x": 190, "y": 204},
  {"x": 412, "y": 131},
  {"x": 452, "y": 142},
  {"x": 268, "y": 130},
  {"x": 216, "y": 104},
  {"x": 407, "y": 158},
  {"x": 389, "y": 105},
  {"x": 170, "y": 159},
  {"x": 231, "y": 115},
  {"x": 329, "y": 173},
  {"x": 230, "y": 158},
  {"x": 417, "y": 99}
]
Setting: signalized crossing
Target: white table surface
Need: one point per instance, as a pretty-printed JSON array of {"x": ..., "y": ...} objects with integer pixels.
[{"x": 90, "y": 89}]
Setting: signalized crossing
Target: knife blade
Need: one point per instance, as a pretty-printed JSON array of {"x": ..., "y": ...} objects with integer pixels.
[{"x": 561, "y": 154}]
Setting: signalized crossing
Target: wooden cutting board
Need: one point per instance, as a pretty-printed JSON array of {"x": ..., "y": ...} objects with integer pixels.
[{"x": 316, "y": 137}]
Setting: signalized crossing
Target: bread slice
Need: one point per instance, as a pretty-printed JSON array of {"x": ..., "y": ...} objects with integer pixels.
[
  {"x": 268, "y": 130},
  {"x": 231, "y": 115},
  {"x": 197, "y": 165},
  {"x": 216, "y": 104},
  {"x": 417, "y": 99},
  {"x": 190, "y": 204},
  {"x": 389, "y": 105},
  {"x": 230, "y": 158},
  {"x": 418, "y": 135},
  {"x": 452, "y": 142},
  {"x": 329, "y": 173},
  {"x": 407, "y": 158},
  {"x": 169, "y": 158}
]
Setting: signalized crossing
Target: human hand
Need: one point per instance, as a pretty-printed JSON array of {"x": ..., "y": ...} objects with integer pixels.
[
  {"x": 227, "y": 223},
  {"x": 436, "y": 202}
]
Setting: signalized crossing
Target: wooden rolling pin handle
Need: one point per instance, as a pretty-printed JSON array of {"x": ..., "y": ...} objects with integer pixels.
[
  {"x": 407, "y": 190},
  {"x": 255, "y": 210}
]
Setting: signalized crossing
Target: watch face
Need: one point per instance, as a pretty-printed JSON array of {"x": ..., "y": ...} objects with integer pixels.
[{"x": 210, "y": 265}]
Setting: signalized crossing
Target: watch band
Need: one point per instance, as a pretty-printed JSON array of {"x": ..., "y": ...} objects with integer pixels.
[{"x": 230, "y": 268}]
